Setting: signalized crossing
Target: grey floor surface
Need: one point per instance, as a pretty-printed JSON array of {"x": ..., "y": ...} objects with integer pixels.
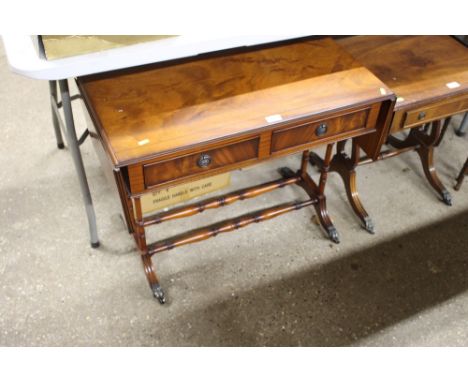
[{"x": 276, "y": 283}]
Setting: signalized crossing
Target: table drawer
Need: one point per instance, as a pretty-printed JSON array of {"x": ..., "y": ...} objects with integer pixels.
[
  {"x": 320, "y": 130},
  {"x": 202, "y": 162},
  {"x": 444, "y": 109}
]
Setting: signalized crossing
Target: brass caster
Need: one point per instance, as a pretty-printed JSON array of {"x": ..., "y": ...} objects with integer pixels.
[
  {"x": 158, "y": 293},
  {"x": 369, "y": 225},
  {"x": 333, "y": 235},
  {"x": 446, "y": 197}
]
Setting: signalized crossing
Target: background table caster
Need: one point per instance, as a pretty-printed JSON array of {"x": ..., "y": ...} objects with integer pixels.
[
  {"x": 286, "y": 172},
  {"x": 158, "y": 293}
]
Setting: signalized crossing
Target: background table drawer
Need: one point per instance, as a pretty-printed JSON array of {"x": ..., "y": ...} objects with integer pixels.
[
  {"x": 441, "y": 110},
  {"x": 320, "y": 130},
  {"x": 205, "y": 161}
]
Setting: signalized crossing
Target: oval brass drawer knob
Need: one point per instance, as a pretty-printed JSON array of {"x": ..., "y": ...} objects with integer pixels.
[
  {"x": 204, "y": 160},
  {"x": 421, "y": 115},
  {"x": 321, "y": 129}
]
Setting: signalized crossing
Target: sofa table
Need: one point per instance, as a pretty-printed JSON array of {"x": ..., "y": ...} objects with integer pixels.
[
  {"x": 161, "y": 125},
  {"x": 429, "y": 75}
]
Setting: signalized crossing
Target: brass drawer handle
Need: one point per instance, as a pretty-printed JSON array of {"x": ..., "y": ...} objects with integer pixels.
[
  {"x": 204, "y": 160},
  {"x": 421, "y": 115},
  {"x": 321, "y": 129}
]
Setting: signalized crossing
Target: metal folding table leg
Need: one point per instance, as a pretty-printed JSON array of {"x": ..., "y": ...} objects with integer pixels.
[
  {"x": 72, "y": 141},
  {"x": 461, "y": 131},
  {"x": 53, "y": 102}
]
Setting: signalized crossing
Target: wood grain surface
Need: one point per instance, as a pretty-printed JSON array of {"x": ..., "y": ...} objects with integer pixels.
[
  {"x": 155, "y": 111},
  {"x": 416, "y": 68}
]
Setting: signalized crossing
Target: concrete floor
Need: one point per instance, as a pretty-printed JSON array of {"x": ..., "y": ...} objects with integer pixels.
[{"x": 277, "y": 283}]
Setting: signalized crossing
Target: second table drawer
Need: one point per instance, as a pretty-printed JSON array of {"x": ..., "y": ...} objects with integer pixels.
[
  {"x": 162, "y": 172},
  {"x": 284, "y": 139},
  {"x": 430, "y": 113}
]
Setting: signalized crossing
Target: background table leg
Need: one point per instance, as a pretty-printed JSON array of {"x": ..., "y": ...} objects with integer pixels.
[
  {"x": 461, "y": 176},
  {"x": 461, "y": 131},
  {"x": 53, "y": 99},
  {"x": 72, "y": 141}
]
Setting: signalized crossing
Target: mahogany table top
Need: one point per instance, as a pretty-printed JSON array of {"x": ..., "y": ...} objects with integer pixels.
[{"x": 158, "y": 109}]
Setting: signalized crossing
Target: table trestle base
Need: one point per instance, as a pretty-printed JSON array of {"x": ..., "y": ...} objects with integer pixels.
[
  {"x": 301, "y": 178},
  {"x": 423, "y": 140}
]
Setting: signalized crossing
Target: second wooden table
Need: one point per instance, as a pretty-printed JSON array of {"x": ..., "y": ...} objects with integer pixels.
[{"x": 429, "y": 75}]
